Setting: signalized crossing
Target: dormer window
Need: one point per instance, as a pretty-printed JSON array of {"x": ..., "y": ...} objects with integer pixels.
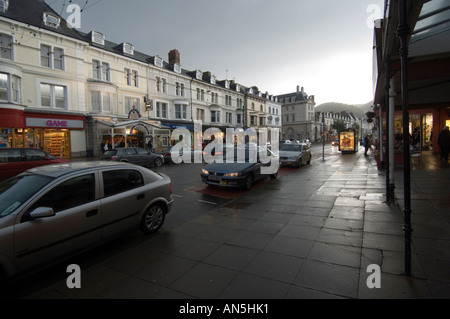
[
  {"x": 4, "y": 4},
  {"x": 51, "y": 20},
  {"x": 227, "y": 84},
  {"x": 213, "y": 79},
  {"x": 177, "y": 68},
  {"x": 97, "y": 38},
  {"x": 128, "y": 48},
  {"x": 198, "y": 75},
  {"x": 158, "y": 61},
  {"x": 238, "y": 88}
]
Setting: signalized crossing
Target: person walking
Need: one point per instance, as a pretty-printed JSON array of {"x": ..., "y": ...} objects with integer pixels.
[
  {"x": 444, "y": 143},
  {"x": 366, "y": 145}
]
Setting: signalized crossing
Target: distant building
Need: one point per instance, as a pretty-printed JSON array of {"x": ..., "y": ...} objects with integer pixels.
[{"x": 298, "y": 116}]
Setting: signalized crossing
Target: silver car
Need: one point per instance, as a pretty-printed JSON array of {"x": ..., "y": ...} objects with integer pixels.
[
  {"x": 55, "y": 211},
  {"x": 295, "y": 154}
]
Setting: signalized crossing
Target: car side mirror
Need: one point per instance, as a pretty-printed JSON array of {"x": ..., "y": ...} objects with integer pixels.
[{"x": 42, "y": 212}]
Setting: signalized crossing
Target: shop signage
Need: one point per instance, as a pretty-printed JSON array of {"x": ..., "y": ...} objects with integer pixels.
[{"x": 54, "y": 123}]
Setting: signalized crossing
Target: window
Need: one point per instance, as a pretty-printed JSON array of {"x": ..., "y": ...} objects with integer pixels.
[
  {"x": 100, "y": 70},
  {"x": 6, "y": 42},
  {"x": 4, "y": 4},
  {"x": 201, "y": 115},
  {"x": 228, "y": 117},
  {"x": 74, "y": 192},
  {"x": 131, "y": 77},
  {"x": 96, "y": 101},
  {"x": 161, "y": 85},
  {"x": 215, "y": 116},
  {"x": 227, "y": 100},
  {"x": 253, "y": 120},
  {"x": 179, "y": 89},
  {"x": 239, "y": 118},
  {"x": 53, "y": 96},
  {"x": 161, "y": 110},
  {"x": 51, "y": 20},
  {"x": 35, "y": 155},
  {"x": 58, "y": 59},
  {"x": 131, "y": 102},
  {"x": 115, "y": 182},
  {"x": 180, "y": 112},
  {"x": 97, "y": 37},
  {"x": 45, "y": 55}
]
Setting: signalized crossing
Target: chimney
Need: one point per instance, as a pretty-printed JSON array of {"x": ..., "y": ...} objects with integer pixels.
[
  {"x": 298, "y": 88},
  {"x": 174, "y": 57}
]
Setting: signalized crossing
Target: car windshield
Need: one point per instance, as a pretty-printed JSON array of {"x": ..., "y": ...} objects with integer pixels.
[
  {"x": 15, "y": 191},
  {"x": 291, "y": 148}
]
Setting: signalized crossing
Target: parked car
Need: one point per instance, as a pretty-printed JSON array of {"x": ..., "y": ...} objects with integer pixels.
[
  {"x": 134, "y": 155},
  {"x": 335, "y": 143},
  {"x": 55, "y": 211},
  {"x": 167, "y": 154},
  {"x": 17, "y": 160},
  {"x": 236, "y": 174},
  {"x": 305, "y": 141},
  {"x": 295, "y": 154}
]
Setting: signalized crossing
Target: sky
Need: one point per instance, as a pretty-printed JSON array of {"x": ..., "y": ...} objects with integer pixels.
[{"x": 324, "y": 46}]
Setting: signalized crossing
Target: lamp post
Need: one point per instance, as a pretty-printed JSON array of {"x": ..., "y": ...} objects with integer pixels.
[{"x": 402, "y": 32}]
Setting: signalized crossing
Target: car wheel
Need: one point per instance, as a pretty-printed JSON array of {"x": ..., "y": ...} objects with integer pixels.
[
  {"x": 249, "y": 181},
  {"x": 153, "y": 219},
  {"x": 158, "y": 162},
  {"x": 309, "y": 161}
]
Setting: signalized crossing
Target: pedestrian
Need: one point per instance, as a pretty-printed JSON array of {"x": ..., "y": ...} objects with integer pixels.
[
  {"x": 150, "y": 146},
  {"x": 444, "y": 143},
  {"x": 366, "y": 144},
  {"x": 104, "y": 147}
]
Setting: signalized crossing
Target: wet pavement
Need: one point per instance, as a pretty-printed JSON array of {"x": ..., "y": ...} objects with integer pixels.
[{"x": 310, "y": 234}]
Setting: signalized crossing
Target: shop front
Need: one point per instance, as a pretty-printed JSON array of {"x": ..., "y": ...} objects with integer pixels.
[
  {"x": 52, "y": 133},
  {"x": 135, "y": 133}
]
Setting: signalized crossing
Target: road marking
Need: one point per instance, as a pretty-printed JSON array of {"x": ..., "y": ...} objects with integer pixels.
[
  {"x": 177, "y": 196},
  {"x": 204, "y": 201}
]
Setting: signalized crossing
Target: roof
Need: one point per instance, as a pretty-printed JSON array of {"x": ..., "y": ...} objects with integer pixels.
[
  {"x": 34, "y": 16},
  {"x": 57, "y": 170}
]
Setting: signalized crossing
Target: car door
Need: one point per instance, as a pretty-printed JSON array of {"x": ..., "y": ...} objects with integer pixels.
[
  {"x": 11, "y": 162},
  {"x": 123, "y": 200},
  {"x": 143, "y": 157},
  {"x": 74, "y": 226}
]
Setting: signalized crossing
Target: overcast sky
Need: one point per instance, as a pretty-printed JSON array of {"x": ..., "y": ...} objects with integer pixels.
[{"x": 324, "y": 46}]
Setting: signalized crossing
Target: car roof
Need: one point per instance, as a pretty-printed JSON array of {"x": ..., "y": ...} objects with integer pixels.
[{"x": 57, "y": 170}]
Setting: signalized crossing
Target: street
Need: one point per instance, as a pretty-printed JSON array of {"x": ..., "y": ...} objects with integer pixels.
[{"x": 192, "y": 199}]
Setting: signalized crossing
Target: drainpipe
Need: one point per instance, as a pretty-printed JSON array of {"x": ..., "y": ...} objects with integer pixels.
[
  {"x": 388, "y": 130},
  {"x": 402, "y": 32},
  {"x": 391, "y": 135}
]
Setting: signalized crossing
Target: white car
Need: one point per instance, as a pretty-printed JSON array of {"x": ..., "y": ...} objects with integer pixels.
[
  {"x": 295, "y": 154},
  {"x": 55, "y": 211}
]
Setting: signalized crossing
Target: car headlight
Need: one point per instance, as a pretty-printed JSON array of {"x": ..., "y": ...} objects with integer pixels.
[
  {"x": 232, "y": 174},
  {"x": 204, "y": 171}
]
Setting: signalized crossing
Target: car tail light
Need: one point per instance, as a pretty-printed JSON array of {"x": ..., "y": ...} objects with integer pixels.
[{"x": 113, "y": 158}]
